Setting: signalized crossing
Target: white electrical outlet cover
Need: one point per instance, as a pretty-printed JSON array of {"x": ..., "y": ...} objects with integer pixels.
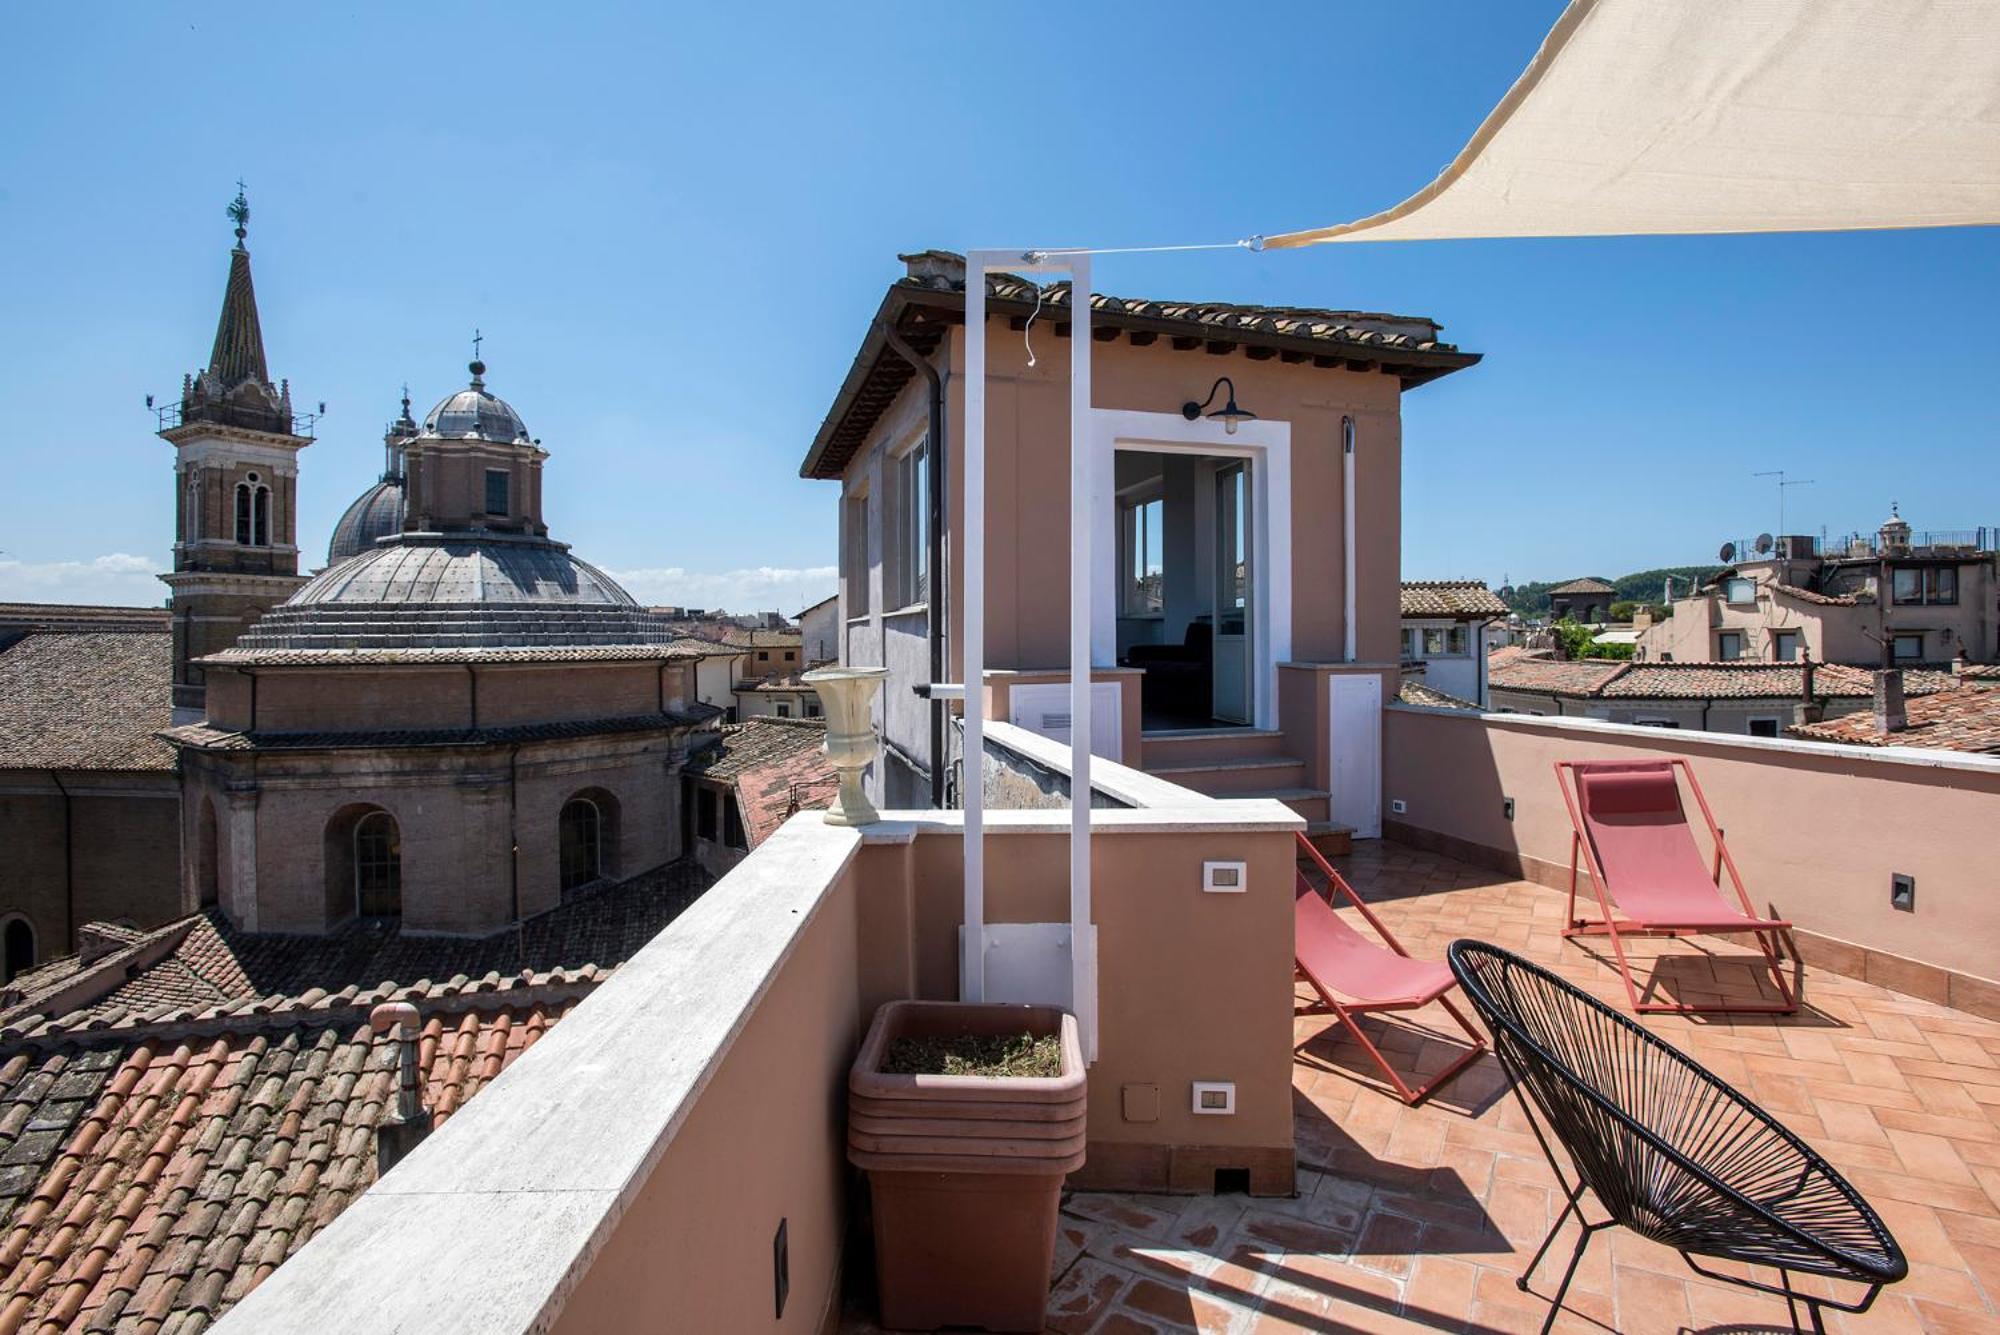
[
  {"x": 1398, "y": 806},
  {"x": 1215, "y": 1098},
  {"x": 1224, "y": 878}
]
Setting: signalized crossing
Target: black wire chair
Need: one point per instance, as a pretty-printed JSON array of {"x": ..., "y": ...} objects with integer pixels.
[{"x": 1670, "y": 1152}]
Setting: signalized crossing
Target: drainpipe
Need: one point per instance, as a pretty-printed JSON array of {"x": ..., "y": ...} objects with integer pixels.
[
  {"x": 1347, "y": 536},
  {"x": 934, "y": 484},
  {"x": 69, "y": 861},
  {"x": 514, "y": 842}
]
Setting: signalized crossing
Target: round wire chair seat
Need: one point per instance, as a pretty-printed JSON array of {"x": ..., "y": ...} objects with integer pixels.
[{"x": 1670, "y": 1151}]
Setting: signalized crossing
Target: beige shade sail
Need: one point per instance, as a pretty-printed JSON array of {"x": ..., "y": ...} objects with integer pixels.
[{"x": 1682, "y": 116}]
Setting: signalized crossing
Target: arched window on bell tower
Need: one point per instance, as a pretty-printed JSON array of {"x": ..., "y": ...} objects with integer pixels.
[{"x": 253, "y": 512}]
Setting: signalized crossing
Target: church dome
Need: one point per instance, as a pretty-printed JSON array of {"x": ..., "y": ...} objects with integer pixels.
[
  {"x": 458, "y": 592},
  {"x": 376, "y": 513},
  {"x": 473, "y": 412}
]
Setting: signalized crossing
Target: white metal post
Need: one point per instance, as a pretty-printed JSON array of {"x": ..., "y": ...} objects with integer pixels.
[
  {"x": 1082, "y": 516},
  {"x": 972, "y": 940}
]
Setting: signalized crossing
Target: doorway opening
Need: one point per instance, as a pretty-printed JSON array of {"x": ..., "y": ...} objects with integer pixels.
[{"x": 1186, "y": 587}]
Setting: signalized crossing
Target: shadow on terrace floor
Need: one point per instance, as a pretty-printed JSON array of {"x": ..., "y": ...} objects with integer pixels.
[{"x": 1419, "y": 1219}]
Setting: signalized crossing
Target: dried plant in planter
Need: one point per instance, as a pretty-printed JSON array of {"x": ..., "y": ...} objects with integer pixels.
[{"x": 1016, "y": 1055}]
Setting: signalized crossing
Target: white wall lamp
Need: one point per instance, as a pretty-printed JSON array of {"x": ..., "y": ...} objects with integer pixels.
[{"x": 1228, "y": 414}]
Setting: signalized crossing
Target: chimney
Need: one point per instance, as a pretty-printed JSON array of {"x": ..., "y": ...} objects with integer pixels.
[
  {"x": 1808, "y": 709},
  {"x": 936, "y": 268},
  {"x": 94, "y": 942},
  {"x": 404, "y": 1127},
  {"x": 1960, "y": 667},
  {"x": 1889, "y": 712}
]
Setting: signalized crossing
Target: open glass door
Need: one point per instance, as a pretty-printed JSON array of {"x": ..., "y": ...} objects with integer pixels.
[{"x": 1233, "y": 702}]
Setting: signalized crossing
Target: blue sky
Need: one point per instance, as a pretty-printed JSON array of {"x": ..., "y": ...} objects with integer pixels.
[{"x": 673, "y": 223}]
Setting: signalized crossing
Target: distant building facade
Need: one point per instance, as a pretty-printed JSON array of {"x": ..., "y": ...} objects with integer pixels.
[
  {"x": 1586, "y": 601},
  {"x": 1898, "y": 599},
  {"x": 1447, "y": 629}
]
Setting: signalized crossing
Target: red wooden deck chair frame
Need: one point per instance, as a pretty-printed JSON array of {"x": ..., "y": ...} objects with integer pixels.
[
  {"x": 1657, "y": 884},
  {"x": 1337, "y": 961}
]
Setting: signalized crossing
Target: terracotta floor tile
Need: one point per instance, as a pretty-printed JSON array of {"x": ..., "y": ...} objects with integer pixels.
[{"x": 1422, "y": 1216}]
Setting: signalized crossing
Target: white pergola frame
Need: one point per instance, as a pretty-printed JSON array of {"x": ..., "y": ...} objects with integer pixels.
[{"x": 974, "y": 940}]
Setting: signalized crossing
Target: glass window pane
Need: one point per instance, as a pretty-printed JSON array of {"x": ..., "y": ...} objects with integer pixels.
[
  {"x": 496, "y": 492},
  {"x": 1909, "y": 586}
]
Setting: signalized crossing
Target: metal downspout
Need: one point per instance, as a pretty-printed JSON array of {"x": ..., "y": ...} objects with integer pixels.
[
  {"x": 514, "y": 845},
  {"x": 69, "y": 862},
  {"x": 934, "y": 595}
]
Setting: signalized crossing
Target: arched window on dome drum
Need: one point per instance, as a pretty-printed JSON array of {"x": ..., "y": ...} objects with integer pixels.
[
  {"x": 580, "y": 837},
  {"x": 20, "y": 948},
  {"x": 378, "y": 866}
]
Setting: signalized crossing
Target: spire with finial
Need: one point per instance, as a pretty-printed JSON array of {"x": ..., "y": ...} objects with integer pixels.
[{"x": 239, "y": 213}]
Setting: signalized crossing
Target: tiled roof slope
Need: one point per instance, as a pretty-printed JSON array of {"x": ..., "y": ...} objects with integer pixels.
[
  {"x": 89, "y": 700},
  {"x": 1817, "y": 599},
  {"x": 23, "y": 617},
  {"x": 1450, "y": 598},
  {"x": 1966, "y": 719},
  {"x": 932, "y": 295},
  {"x": 165, "y": 1146},
  {"x": 1695, "y": 681},
  {"x": 1584, "y": 585},
  {"x": 147, "y": 1187},
  {"x": 1420, "y": 693},
  {"x": 204, "y": 736},
  {"x": 1548, "y": 675},
  {"x": 778, "y": 767},
  {"x": 213, "y": 964}
]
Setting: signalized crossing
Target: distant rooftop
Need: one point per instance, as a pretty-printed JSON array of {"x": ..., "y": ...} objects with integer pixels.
[
  {"x": 1450, "y": 598},
  {"x": 1966, "y": 719},
  {"x": 86, "y": 700}
]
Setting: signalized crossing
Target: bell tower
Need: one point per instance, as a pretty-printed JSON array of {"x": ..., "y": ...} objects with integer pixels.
[{"x": 236, "y": 444}]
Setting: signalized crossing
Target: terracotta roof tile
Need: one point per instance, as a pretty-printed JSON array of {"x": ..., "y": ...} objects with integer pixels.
[
  {"x": 164, "y": 1148},
  {"x": 86, "y": 700},
  {"x": 1584, "y": 585},
  {"x": 1694, "y": 681},
  {"x": 1966, "y": 719},
  {"x": 777, "y": 766},
  {"x": 552, "y": 653},
  {"x": 1419, "y": 693},
  {"x": 1571, "y": 677},
  {"x": 1819, "y": 599},
  {"x": 205, "y": 737},
  {"x": 1451, "y": 598}
]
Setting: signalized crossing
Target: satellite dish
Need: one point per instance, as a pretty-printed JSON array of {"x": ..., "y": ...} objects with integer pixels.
[
  {"x": 1728, "y": 552},
  {"x": 1765, "y": 542}
]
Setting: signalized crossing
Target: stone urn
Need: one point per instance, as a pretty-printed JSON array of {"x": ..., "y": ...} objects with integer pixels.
[{"x": 848, "y": 693}]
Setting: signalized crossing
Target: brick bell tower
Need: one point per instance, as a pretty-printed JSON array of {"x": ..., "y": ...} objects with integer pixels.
[{"x": 236, "y": 445}]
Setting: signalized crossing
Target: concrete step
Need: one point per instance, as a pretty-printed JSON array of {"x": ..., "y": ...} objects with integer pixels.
[
  {"x": 1207, "y": 745},
  {"x": 1227, "y": 778},
  {"x": 1312, "y": 803},
  {"x": 1333, "y": 840}
]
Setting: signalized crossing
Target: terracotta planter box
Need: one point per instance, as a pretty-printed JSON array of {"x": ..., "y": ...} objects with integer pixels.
[{"x": 966, "y": 1172}]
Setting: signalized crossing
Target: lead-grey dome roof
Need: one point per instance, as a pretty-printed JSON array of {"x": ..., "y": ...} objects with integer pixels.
[
  {"x": 376, "y": 513},
  {"x": 451, "y": 593},
  {"x": 475, "y": 412}
]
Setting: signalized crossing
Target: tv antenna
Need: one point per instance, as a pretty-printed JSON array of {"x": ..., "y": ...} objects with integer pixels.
[{"x": 1783, "y": 483}]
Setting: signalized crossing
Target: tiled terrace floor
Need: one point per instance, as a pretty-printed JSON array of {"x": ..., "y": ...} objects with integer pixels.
[{"x": 1419, "y": 1219}]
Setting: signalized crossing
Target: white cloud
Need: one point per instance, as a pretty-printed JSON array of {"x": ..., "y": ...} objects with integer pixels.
[
  {"x": 117, "y": 577},
  {"x": 762, "y": 588}
]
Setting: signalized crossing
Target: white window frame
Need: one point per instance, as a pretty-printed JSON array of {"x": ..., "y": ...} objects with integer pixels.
[
  {"x": 911, "y": 572},
  {"x": 1132, "y": 506},
  {"x": 854, "y": 551}
]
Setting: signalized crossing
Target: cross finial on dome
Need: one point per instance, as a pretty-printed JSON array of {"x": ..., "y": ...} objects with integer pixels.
[
  {"x": 239, "y": 213},
  {"x": 478, "y": 367}
]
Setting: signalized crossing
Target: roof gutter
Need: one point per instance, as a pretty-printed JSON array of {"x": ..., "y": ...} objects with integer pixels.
[{"x": 934, "y": 453}]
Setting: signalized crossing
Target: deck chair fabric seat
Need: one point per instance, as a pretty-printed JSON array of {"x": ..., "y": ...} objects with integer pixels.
[
  {"x": 1336, "y": 958},
  {"x": 1633, "y": 814},
  {"x": 1631, "y": 834},
  {"x": 1353, "y": 975}
]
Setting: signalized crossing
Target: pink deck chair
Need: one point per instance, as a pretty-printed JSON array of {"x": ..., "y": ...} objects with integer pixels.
[
  {"x": 1353, "y": 975},
  {"x": 1628, "y": 824}
]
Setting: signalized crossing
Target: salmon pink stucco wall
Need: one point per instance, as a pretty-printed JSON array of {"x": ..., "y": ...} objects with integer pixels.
[
  {"x": 1028, "y": 469},
  {"x": 1815, "y": 830}
]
